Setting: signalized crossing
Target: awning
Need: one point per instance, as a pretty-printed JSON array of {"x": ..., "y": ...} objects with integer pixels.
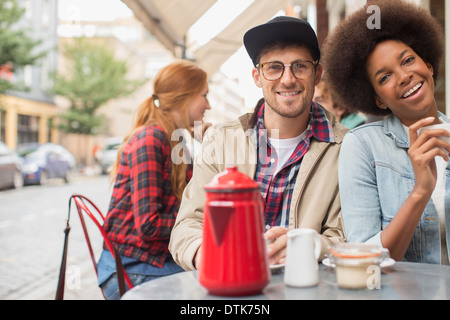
[
  {"x": 213, "y": 54},
  {"x": 170, "y": 20}
]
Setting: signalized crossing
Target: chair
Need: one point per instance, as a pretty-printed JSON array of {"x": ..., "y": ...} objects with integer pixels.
[{"x": 83, "y": 205}]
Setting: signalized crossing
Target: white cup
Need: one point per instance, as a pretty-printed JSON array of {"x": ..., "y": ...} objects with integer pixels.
[
  {"x": 445, "y": 126},
  {"x": 303, "y": 251}
]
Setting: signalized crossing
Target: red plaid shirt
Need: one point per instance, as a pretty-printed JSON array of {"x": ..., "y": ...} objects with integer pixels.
[
  {"x": 277, "y": 189},
  {"x": 143, "y": 207}
]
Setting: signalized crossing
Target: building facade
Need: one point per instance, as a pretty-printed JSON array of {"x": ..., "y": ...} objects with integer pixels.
[
  {"x": 131, "y": 41},
  {"x": 27, "y": 116}
]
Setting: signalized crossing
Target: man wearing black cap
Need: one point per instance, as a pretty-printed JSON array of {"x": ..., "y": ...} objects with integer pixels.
[{"x": 290, "y": 145}]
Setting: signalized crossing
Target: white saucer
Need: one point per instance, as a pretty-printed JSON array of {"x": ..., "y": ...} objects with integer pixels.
[
  {"x": 277, "y": 266},
  {"x": 386, "y": 263}
]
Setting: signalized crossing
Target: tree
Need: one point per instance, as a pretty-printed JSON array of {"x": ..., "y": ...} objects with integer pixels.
[
  {"x": 94, "y": 76},
  {"x": 16, "y": 48}
]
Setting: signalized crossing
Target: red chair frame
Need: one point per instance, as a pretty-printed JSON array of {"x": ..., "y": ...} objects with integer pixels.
[{"x": 98, "y": 219}]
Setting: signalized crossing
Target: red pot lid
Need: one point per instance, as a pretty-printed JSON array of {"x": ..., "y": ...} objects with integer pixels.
[{"x": 231, "y": 180}]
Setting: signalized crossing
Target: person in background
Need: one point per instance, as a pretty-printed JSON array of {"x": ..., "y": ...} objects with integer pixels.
[
  {"x": 289, "y": 146},
  {"x": 394, "y": 180},
  {"x": 150, "y": 175},
  {"x": 326, "y": 98}
]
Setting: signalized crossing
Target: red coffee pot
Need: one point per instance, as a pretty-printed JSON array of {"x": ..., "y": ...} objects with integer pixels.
[{"x": 234, "y": 259}]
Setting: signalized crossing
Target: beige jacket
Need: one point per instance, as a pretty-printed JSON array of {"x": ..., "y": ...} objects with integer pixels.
[{"x": 315, "y": 200}]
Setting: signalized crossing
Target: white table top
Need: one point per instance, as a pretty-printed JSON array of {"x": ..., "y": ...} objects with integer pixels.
[{"x": 409, "y": 281}]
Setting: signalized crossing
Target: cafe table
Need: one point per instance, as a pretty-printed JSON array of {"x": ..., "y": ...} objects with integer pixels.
[{"x": 399, "y": 281}]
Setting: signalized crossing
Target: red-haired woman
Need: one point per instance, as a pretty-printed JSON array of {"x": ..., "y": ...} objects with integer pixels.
[{"x": 150, "y": 174}]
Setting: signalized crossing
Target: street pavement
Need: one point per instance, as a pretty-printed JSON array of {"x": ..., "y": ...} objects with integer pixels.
[{"x": 32, "y": 223}]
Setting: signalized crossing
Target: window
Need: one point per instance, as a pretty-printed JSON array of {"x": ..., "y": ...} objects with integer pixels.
[
  {"x": 27, "y": 129},
  {"x": 50, "y": 127},
  {"x": 2, "y": 125},
  {"x": 28, "y": 75},
  {"x": 45, "y": 74},
  {"x": 45, "y": 13},
  {"x": 28, "y": 6}
]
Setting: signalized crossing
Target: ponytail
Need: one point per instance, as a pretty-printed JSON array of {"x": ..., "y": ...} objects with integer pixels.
[{"x": 174, "y": 86}]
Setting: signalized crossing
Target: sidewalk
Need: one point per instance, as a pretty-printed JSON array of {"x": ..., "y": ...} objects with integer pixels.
[
  {"x": 45, "y": 288},
  {"x": 40, "y": 278}
]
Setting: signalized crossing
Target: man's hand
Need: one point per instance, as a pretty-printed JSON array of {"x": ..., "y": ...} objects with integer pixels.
[{"x": 276, "y": 238}]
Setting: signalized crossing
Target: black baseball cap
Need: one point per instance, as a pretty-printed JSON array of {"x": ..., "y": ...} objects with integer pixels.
[{"x": 281, "y": 28}]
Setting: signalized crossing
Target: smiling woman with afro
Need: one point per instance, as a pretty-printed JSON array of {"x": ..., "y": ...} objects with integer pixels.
[
  {"x": 345, "y": 53},
  {"x": 394, "y": 179}
]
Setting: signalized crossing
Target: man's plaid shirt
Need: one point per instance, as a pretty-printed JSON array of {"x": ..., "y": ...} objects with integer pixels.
[
  {"x": 143, "y": 207},
  {"x": 277, "y": 190}
]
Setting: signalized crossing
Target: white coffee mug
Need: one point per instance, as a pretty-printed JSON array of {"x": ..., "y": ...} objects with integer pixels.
[
  {"x": 303, "y": 251},
  {"x": 445, "y": 126}
]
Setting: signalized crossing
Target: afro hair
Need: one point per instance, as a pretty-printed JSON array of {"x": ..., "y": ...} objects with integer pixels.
[{"x": 347, "y": 48}]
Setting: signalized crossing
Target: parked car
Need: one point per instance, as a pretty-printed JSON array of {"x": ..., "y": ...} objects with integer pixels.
[
  {"x": 10, "y": 168},
  {"x": 45, "y": 161},
  {"x": 108, "y": 155}
]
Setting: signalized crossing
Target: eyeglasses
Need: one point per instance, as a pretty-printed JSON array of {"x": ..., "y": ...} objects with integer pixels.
[{"x": 301, "y": 69}]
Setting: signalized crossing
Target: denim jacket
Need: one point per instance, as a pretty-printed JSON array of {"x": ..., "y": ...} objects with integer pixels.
[{"x": 375, "y": 178}]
